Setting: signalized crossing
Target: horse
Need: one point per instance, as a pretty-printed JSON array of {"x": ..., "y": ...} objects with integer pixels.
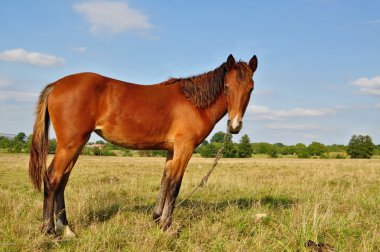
[{"x": 175, "y": 115}]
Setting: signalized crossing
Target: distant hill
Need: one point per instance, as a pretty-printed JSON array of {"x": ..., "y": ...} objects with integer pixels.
[{"x": 9, "y": 136}]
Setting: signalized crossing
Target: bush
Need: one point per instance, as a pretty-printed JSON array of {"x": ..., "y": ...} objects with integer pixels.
[
  {"x": 245, "y": 148},
  {"x": 52, "y": 147},
  {"x": 273, "y": 151},
  {"x": 340, "y": 156},
  {"x": 303, "y": 154},
  {"x": 209, "y": 150},
  {"x": 152, "y": 153},
  {"x": 127, "y": 153},
  {"x": 360, "y": 147},
  {"x": 229, "y": 150},
  {"x": 316, "y": 149}
]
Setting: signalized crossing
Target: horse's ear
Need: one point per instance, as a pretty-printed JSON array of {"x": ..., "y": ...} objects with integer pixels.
[
  {"x": 253, "y": 63},
  {"x": 230, "y": 62}
]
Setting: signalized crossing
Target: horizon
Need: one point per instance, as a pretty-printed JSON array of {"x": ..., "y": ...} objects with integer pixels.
[{"x": 318, "y": 76}]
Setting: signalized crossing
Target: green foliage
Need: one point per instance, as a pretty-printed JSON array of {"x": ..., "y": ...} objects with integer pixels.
[
  {"x": 4, "y": 142},
  {"x": 303, "y": 154},
  {"x": 100, "y": 142},
  {"x": 316, "y": 149},
  {"x": 209, "y": 150},
  {"x": 377, "y": 150},
  {"x": 52, "y": 147},
  {"x": 336, "y": 148},
  {"x": 360, "y": 147},
  {"x": 288, "y": 150},
  {"x": 127, "y": 153},
  {"x": 15, "y": 146},
  {"x": 244, "y": 149},
  {"x": 299, "y": 148},
  {"x": 205, "y": 142},
  {"x": 218, "y": 137},
  {"x": 152, "y": 153},
  {"x": 261, "y": 148},
  {"x": 96, "y": 151},
  {"x": 273, "y": 151},
  {"x": 229, "y": 150},
  {"x": 20, "y": 137}
]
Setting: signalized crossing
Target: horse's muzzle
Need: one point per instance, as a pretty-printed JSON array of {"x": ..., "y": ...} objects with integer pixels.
[{"x": 234, "y": 130}]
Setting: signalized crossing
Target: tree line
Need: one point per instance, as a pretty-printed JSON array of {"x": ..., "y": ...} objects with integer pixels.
[{"x": 359, "y": 146}]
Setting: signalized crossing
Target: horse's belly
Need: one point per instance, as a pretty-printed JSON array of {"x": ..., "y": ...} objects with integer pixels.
[{"x": 135, "y": 138}]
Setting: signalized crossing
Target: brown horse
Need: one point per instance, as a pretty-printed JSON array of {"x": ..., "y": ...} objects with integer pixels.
[{"x": 175, "y": 115}]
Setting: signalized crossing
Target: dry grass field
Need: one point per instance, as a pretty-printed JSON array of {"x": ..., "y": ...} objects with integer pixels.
[{"x": 248, "y": 205}]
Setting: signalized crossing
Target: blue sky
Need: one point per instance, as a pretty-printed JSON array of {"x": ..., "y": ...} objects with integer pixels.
[{"x": 319, "y": 60}]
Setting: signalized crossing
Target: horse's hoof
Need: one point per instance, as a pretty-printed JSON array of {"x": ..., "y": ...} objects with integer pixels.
[
  {"x": 64, "y": 230},
  {"x": 68, "y": 233}
]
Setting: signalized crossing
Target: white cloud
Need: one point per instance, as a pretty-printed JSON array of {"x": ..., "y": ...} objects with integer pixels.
[
  {"x": 112, "y": 17},
  {"x": 297, "y": 127},
  {"x": 368, "y": 86},
  {"x": 33, "y": 58},
  {"x": 265, "y": 113},
  {"x": 81, "y": 49},
  {"x": 21, "y": 96}
]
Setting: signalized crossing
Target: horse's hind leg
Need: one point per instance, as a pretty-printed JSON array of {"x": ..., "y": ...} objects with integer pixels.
[
  {"x": 53, "y": 178},
  {"x": 61, "y": 223}
]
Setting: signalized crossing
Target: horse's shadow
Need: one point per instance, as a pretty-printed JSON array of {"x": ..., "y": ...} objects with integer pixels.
[{"x": 194, "y": 209}]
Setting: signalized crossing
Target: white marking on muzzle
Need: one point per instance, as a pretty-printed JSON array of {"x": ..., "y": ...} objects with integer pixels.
[{"x": 235, "y": 122}]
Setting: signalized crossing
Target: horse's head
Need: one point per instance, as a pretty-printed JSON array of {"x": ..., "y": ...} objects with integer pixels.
[{"x": 238, "y": 85}]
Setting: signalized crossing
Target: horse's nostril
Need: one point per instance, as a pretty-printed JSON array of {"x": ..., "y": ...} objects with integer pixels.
[{"x": 234, "y": 129}]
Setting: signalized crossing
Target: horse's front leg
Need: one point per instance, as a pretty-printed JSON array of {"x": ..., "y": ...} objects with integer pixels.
[
  {"x": 164, "y": 186},
  {"x": 182, "y": 155}
]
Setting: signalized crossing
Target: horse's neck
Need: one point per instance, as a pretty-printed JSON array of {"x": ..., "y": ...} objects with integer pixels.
[{"x": 217, "y": 110}]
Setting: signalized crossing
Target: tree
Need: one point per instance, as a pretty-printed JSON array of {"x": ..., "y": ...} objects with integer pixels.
[
  {"x": 52, "y": 146},
  {"x": 15, "y": 146},
  {"x": 336, "y": 148},
  {"x": 261, "y": 148},
  {"x": 360, "y": 147},
  {"x": 205, "y": 142},
  {"x": 4, "y": 142},
  {"x": 316, "y": 149},
  {"x": 20, "y": 137},
  {"x": 301, "y": 150},
  {"x": 273, "y": 151},
  {"x": 300, "y": 147},
  {"x": 218, "y": 137},
  {"x": 229, "y": 150},
  {"x": 28, "y": 143},
  {"x": 100, "y": 142},
  {"x": 209, "y": 150},
  {"x": 377, "y": 150},
  {"x": 245, "y": 148},
  {"x": 288, "y": 150}
]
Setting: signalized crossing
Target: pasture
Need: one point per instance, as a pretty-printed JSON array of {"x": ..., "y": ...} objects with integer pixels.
[{"x": 256, "y": 204}]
